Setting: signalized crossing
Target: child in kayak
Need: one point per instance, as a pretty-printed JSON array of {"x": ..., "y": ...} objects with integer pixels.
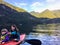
[
  {"x": 14, "y": 33},
  {"x": 4, "y": 36}
]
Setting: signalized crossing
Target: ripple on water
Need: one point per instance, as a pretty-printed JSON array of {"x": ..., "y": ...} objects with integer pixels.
[{"x": 46, "y": 39}]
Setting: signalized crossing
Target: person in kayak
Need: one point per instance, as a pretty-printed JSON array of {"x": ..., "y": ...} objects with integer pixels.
[
  {"x": 4, "y": 36},
  {"x": 14, "y": 33}
]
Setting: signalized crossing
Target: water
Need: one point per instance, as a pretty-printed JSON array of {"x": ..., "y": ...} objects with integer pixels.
[{"x": 45, "y": 39}]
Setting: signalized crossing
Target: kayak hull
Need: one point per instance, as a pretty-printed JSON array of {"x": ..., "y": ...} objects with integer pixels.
[{"x": 22, "y": 37}]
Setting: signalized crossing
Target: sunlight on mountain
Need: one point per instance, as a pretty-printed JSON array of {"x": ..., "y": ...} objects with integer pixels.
[
  {"x": 47, "y": 14},
  {"x": 11, "y": 6}
]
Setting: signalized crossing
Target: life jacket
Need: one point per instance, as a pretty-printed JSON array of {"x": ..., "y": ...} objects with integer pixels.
[{"x": 3, "y": 36}]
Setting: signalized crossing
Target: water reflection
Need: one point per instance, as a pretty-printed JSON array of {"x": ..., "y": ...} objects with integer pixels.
[{"x": 45, "y": 38}]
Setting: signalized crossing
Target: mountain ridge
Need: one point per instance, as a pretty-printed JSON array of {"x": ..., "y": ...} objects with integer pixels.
[
  {"x": 47, "y": 14},
  {"x": 12, "y": 6}
]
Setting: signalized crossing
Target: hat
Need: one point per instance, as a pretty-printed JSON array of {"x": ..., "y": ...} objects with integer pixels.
[{"x": 4, "y": 30}]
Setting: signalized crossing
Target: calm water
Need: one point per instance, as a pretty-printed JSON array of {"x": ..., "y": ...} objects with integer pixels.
[{"x": 45, "y": 38}]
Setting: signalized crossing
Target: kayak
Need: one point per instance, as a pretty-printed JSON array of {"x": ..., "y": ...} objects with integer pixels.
[{"x": 22, "y": 37}]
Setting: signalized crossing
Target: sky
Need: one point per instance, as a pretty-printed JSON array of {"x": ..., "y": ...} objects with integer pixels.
[{"x": 36, "y": 5}]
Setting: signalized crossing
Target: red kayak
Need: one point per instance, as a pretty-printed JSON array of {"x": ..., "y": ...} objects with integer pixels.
[{"x": 22, "y": 37}]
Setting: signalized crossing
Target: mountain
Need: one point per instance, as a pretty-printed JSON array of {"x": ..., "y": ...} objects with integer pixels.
[
  {"x": 8, "y": 16},
  {"x": 13, "y": 7},
  {"x": 45, "y": 14},
  {"x": 36, "y": 14},
  {"x": 56, "y": 13}
]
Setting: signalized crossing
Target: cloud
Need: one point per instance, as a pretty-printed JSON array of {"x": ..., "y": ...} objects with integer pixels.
[
  {"x": 21, "y": 4},
  {"x": 54, "y": 6},
  {"x": 40, "y": 6},
  {"x": 39, "y": 10},
  {"x": 24, "y": 4},
  {"x": 36, "y": 6},
  {"x": 49, "y": 1}
]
